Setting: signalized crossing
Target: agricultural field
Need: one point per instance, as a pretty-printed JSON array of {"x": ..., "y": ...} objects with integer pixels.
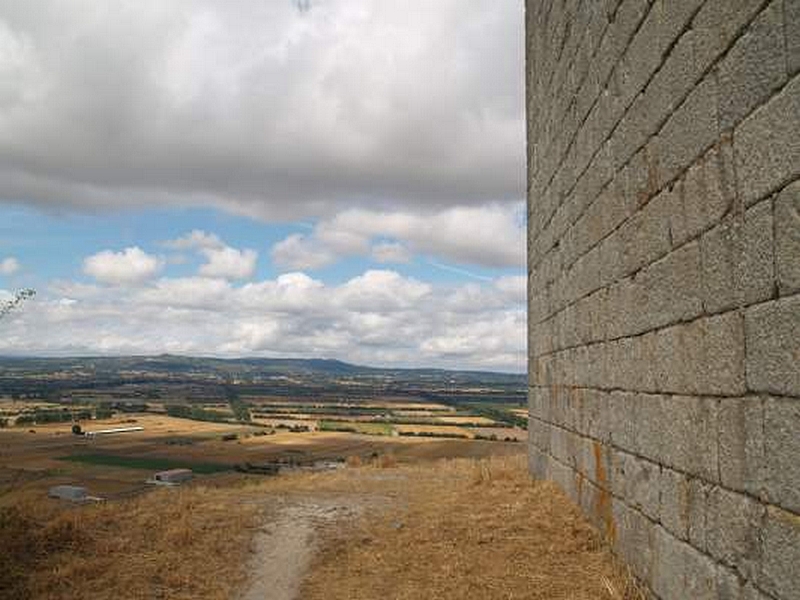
[
  {"x": 233, "y": 420},
  {"x": 36, "y": 457}
]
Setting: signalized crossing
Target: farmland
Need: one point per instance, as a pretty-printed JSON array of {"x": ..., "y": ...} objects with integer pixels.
[{"x": 219, "y": 418}]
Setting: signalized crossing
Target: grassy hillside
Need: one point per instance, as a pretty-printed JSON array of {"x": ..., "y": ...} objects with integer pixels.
[{"x": 448, "y": 529}]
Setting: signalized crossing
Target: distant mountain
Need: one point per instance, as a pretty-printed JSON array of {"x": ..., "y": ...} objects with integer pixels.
[{"x": 243, "y": 367}]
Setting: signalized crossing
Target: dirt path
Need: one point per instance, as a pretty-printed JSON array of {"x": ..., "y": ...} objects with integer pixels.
[{"x": 286, "y": 545}]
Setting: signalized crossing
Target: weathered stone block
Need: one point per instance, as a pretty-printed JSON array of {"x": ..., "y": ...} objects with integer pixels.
[
  {"x": 690, "y": 130},
  {"x": 704, "y": 357},
  {"x": 637, "y": 481},
  {"x": 689, "y": 435},
  {"x": 787, "y": 237},
  {"x": 741, "y": 443},
  {"x": 782, "y": 449},
  {"x": 779, "y": 574},
  {"x": 733, "y": 530},
  {"x": 648, "y": 426},
  {"x": 634, "y": 539},
  {"x": 644, "y": 237},
  {"x": 622, "y": 422},
  {"x": 773, "y": 347},
  {"x": 791, "y": 9},
  {"x": 697, "y": 511},
  {"x": 737, "y": 259},
  {"x": 717, "y": 25},
  {"x": 704, "y": 194},
  {"x": 667, "y": 291},
  {"x": 682, "y": 572},
  {"x": 674, "y": 498},
  {"x": 767, "y": 145},
  {"x": 754, "y": 68}
]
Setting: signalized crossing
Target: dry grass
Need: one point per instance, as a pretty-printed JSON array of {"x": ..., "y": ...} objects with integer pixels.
[
  {"x": 471, "y": 530},
  {"x": 188, "y": 543},
  {"x": 460, "y": 529}
]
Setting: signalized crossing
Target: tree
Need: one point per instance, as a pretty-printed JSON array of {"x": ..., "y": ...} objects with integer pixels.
[{"x": 18, "y": 299}]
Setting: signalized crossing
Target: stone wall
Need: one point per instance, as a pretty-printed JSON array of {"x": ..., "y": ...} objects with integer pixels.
[{"x": 664, "y": 283}]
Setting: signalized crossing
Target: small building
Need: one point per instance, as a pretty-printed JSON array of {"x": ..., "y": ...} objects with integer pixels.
[
  {"x": 73, "y": 493},
  {"x": 173, "y": 476}
]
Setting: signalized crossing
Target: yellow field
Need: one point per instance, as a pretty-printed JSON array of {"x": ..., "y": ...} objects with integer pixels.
[{"x": 466, "y": 419}]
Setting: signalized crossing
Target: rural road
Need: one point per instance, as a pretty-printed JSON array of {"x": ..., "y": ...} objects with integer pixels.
[{"x": 285, "y": 547}]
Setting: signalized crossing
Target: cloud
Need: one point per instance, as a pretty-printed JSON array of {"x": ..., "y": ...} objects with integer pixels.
[
  {"x": 261, "y": 109},
  {"x": 229, "y": 263},
  {"x": 490, "y": 236},
  {"x": 390, "y": 252},
  {"x": 131, "y": 266},
  {"x": 222, "y": 261},
  {"x": 379, "y": 317},
  {"x": 195, "y": 239},
  {"x": 297, "y": 251},
  {"x": 9, "y": 266}
]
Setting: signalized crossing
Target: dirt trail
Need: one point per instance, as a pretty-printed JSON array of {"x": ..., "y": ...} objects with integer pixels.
[{"x": 285, "y": 547}]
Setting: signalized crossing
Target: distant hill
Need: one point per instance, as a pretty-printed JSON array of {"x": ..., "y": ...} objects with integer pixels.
[{"x": 247, "y": 368}]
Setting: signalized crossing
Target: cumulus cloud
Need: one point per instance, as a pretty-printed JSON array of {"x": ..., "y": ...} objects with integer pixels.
[
  {"x": 222, "y": 261},
  {"x": 298, "y": 251},
  {"x": 9, "y": 266},
  {"x": 260, "y": 108},
  {"x": 491, "y": 235},
  {"x": 379, "y": 317},
  {"x": 131, "y": 266}
]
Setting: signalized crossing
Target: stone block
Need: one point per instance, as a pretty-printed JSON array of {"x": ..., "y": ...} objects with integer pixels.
[
  {"x": 704, "y": 357},
  {"x": 697, "y": 512},
  {"x": 634, "y": 539},
  {"x": 734, "y": 523},
  {"x": 717, "y": 25},
  {"x": 779, "y": 575},
  {"x": 741, "y": 443},
  {"x": 644, "y": 237},
  {"x": 538, "y": 462},
  {"x": 667, "y": 291},
  {"x": 754, "y": 68},
  {"x": 787, "y": 238},
  {"x": 675, "y": 501},
  {"x": 594, "y": 415},
  {"x": 731, "y": 587},
  {"x": 689, "y": 435},
  {"x": 637, "y": 481},
  {"x": 622, "y": 422},
  {"x": 767, "y": 145},
  {"x": 648, "y": 426},
  {"x": 782, "y": 451},
  {"x": 704, "y": 194},
  {"x": 773, "y": 347},
  {"x": 689, "y": 132},
  {"x": 681, "y": 572},
  {"x": 539, "y": 434},
  {"x": 737, "y": 259},
  {"x": 791, "y": 17}
]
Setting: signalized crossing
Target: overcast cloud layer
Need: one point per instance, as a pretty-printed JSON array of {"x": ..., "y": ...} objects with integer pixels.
[
  {"x": 261, "y": 107},
  {"x": 385, "y": 137}
]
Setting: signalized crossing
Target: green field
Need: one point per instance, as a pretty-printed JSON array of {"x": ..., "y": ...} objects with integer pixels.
[
  {"x": 357, "y": 427},
  {"x": 144, "y": 463}
]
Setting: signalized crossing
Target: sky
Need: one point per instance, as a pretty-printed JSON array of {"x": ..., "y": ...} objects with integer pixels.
[{"x": 325, "y": 178}]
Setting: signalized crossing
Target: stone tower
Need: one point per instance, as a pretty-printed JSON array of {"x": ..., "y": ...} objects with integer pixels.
[{"x": 664, "y": 283}]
